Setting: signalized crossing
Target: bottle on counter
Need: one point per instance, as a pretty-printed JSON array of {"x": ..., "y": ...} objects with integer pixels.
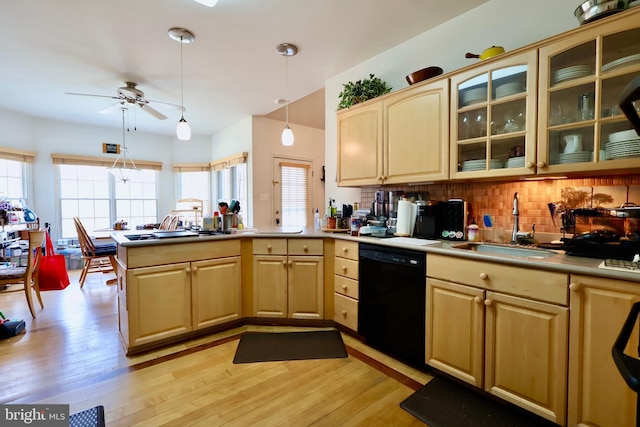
[
  {"x": 316, "y": 220},
  {"x": 473, "y": 231}
]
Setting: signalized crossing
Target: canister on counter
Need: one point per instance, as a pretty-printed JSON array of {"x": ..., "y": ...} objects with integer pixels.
[{"x": 355, "y": 225}]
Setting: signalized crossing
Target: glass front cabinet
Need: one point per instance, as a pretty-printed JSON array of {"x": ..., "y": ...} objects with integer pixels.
[
  {"x": 493, "y": 119},
  {"x": 580, "y": 126}
]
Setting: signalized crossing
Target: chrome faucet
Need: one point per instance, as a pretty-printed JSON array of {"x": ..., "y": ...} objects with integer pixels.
[{"x": 516, "y": 215}]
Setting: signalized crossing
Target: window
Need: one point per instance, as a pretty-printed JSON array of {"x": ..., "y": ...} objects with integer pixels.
[
  {"x": 294, "y": 179},
  {"x": 231, "y": 182},
  {"x": 12, "y": 183},
  {"x": 195, "y": 185}
]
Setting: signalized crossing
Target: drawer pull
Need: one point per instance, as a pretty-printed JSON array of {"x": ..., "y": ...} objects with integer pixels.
[
  {"x": 575, "y": 287},
  {"x": 305, "y": 248},
  {"x": 344, "y": 268},
  {"x": 188, "y": 270},
  {"x": 345, "y": 250},
  {"x": 344, "y": 313},
  {"x": 269, "y": 248},
  {"x": 344, "y": 287},
  {"x": 477, "y": 300},
  {"x": 484, "y": 276},
  {"x": 488, "y": 302}
]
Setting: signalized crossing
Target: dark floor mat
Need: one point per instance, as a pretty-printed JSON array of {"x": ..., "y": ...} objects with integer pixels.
[
  {"x": 272, "y": 346},
  {"x": 92, "y": 417},
  {"x": 443, "y": 403}
]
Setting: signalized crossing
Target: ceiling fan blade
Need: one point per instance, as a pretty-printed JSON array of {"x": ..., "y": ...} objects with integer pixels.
[
  {"x": 88, "y": 94},
  {"x": 111, "y": 108},
  {"x": 168, "y": 105},
  {"x": 155, "y": 113}
]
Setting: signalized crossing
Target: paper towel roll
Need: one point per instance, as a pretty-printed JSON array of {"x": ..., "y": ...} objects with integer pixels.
[{"x": 406, "y": 218}]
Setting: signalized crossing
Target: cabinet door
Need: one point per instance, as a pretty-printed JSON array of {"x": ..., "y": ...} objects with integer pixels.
[
  {"x": 526, "y": 354},
  {"x": 455, "y": 330},
  {"x": 416, "y": 134},
  {"x": 306, "y": 285},
  {"x": 159, "y": 302},
  {"x": 360, "y": 145},
  {"x": 493, "y": 118},
  {"x": 270, "y": 285},
  {"x": 216, "y": 287},
  {"x": 598, "y": 396},
  {"x": 581, "y": 80}
]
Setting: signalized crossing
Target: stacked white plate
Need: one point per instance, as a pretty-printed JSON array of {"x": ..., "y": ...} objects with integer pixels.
[
  {"x": 571, "y": 73},
  {"x": 627, "y": 60},
  {"x": 515, "y": 162},
  {"x": 617, "y": 149},
  {"x": 580, "y": 156},
  {"x": 473, "y": 96},
  {"x": 480, "y": 165},
  {"x": 509, "y": 89}
]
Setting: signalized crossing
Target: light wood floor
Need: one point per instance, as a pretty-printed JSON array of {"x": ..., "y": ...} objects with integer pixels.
[{"x": 71, "y": 354}]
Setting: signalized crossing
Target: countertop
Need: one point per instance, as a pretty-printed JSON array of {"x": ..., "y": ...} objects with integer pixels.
[{"x": 559, "y": 262}]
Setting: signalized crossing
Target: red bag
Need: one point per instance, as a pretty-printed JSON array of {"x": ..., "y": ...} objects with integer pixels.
[{"x": 52, "y": 271}]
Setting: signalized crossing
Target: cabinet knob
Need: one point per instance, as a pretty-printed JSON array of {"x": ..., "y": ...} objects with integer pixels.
[
  {"x": 269, "y": 248},
  {"x": 575, "y": 287},
  {"x": 290, "y": 262},
  {"x": 344, "y": 313},
  {"x": 488, "y": 302},
  {"x": 477, "y": 300},
  {"x": 344, "y": 268},
  {"x": 344, "y": 250},
  {"x": 194, "y": 269},
  {"x": 542, "y": 165},
  {"x": 284, "y": 262},
  {"x": 530, "y": 165},
  {"x": 305, "y": 248},
  {"x": 484, "y": 276},
  {"x": 344, "y": 287},
  {"x": 188, "y": 269}
]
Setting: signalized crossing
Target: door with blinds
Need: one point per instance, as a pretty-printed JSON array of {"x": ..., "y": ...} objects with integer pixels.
[{"x": 291, "y": 192}]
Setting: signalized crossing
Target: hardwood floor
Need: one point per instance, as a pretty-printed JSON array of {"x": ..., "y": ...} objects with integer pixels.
[{"x": 71, "y": 354}]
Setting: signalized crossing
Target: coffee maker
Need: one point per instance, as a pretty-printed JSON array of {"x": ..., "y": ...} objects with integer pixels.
[
  {"x": 382, "y": 207},
  {"x": 428, "y": 219}
]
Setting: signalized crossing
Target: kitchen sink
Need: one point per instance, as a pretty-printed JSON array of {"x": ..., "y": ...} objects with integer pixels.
[{"x": 511, "y": 250}]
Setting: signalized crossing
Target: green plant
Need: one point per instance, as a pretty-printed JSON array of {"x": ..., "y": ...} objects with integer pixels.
[{"x": 362, "y": 90}]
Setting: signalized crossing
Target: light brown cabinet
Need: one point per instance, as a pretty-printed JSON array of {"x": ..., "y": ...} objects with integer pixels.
[
  {"x": 488, "y": 328},
  {"x": 400, "y": 138},
  {"x": 582, "y": 77},
  {"x": 493, "y": 120},
  {"x": 288, "y": 278},
  {"x": 346, "y": 284},
  {"x": 598, "y": 396},
  {"x": 216, "y": 294}
]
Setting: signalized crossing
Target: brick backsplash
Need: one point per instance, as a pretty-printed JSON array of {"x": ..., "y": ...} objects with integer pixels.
[{"x": 496, "y": 198}]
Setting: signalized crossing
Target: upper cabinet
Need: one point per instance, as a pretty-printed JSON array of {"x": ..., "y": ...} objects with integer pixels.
[
  {"x": 581, "y": 79},
  {"x": 493, "y": 118},
  {"x": 401, "y": 138}
]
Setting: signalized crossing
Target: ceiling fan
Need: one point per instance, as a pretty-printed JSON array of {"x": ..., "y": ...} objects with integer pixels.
[{"x": 130, "y": 94}]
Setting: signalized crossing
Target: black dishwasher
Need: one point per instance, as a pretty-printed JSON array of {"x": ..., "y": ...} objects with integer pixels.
[{"x": 391, "y": 306}]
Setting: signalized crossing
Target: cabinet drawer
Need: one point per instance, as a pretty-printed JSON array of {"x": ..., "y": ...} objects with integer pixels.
[
  {"x": 346, "y": 311},
  {"x": 305, "y": 246},
  {"x": 346, "y": 267},
  {"x": 346, "y": 249},
  {"x": 346, "y": 286},
  {"x": 270, "y": 246},
  {"x": 525, "y": 282}
]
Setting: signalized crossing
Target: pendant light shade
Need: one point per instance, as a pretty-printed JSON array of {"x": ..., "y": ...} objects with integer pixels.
[
  {"x": 182, "y": 36},
  {"x": 287, "y": 50},
  {"x": 209, "y": 3},
  {"x": 123, "y": 171}
]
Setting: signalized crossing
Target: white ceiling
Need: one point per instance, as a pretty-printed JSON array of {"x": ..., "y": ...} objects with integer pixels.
[{"x": 231, "y": 71}]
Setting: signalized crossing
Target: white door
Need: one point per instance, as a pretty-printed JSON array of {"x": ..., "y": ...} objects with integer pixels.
[{"x": 292, "y": 192}]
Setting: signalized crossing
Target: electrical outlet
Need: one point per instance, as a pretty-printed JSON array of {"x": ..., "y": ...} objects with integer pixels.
[{"x": 264, "y": 197}]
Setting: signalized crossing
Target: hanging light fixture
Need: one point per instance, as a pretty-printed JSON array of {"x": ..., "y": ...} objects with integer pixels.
[
  {"x": 287, "y": 50},
  {"x": 208, "y": 3},
  {"x": 124, "y": 172},
  {"x": 182, "y": 36}
]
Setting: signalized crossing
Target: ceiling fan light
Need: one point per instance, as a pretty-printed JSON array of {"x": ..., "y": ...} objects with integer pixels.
[
  {"x": 183, "y": 131},
  {"x": 287, "y": 136},
  {"x": 208, "y": 3}
]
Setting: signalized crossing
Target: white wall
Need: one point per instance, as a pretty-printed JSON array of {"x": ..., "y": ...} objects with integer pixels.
[{"x": 508, "y": 23}]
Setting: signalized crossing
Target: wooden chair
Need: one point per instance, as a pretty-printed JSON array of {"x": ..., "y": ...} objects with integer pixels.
[
  {"x": 97, "y": 258},
  {"x": 27, "y": 276},
  {"x": 174, "y": 222},
  {"x": 164, "y": 225}
]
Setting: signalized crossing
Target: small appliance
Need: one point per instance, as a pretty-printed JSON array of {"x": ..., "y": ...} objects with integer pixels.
[
  {"x": 383, "y": 205},
  {"x": 428, "y": 220},
  {"x": 454, "y": 220}
]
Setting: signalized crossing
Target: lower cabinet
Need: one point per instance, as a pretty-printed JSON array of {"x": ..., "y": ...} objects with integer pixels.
[
  {"x": 288, "y": 278},
  {"x": 489, "y": 329},
  {"x": 216, "y": 294},
  {"x": 598, "y": 396},
  {"x": 346, "y": 284}
]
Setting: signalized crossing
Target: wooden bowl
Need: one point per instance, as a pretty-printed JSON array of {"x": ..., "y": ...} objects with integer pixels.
[{"x": 424, "y": 74}]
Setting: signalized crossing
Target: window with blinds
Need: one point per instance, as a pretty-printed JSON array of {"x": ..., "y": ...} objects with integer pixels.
[{"x": 294, "y": 180}]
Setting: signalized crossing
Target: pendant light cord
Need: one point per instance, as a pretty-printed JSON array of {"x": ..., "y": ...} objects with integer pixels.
[
  {"x": 181, "y": 81},
  {"x": 286, "y": 88}
]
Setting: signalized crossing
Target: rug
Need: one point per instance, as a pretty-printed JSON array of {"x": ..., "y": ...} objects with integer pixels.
[
  {"x": 92, "y": 417},
  {"x": 277, "y": 346},
  {"x": 444, "y": 403}
]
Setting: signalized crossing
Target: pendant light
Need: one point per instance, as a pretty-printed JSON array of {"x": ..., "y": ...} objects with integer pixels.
[
  {"x": 287, "y": 50},
  {"x": 182, "y": 36},
  {"x": 123, "y": 172},
  {"x": 208, "y": 3}
]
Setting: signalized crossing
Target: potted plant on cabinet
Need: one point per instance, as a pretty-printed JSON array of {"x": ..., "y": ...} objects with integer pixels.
[{"x": 361, "y": 90}]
